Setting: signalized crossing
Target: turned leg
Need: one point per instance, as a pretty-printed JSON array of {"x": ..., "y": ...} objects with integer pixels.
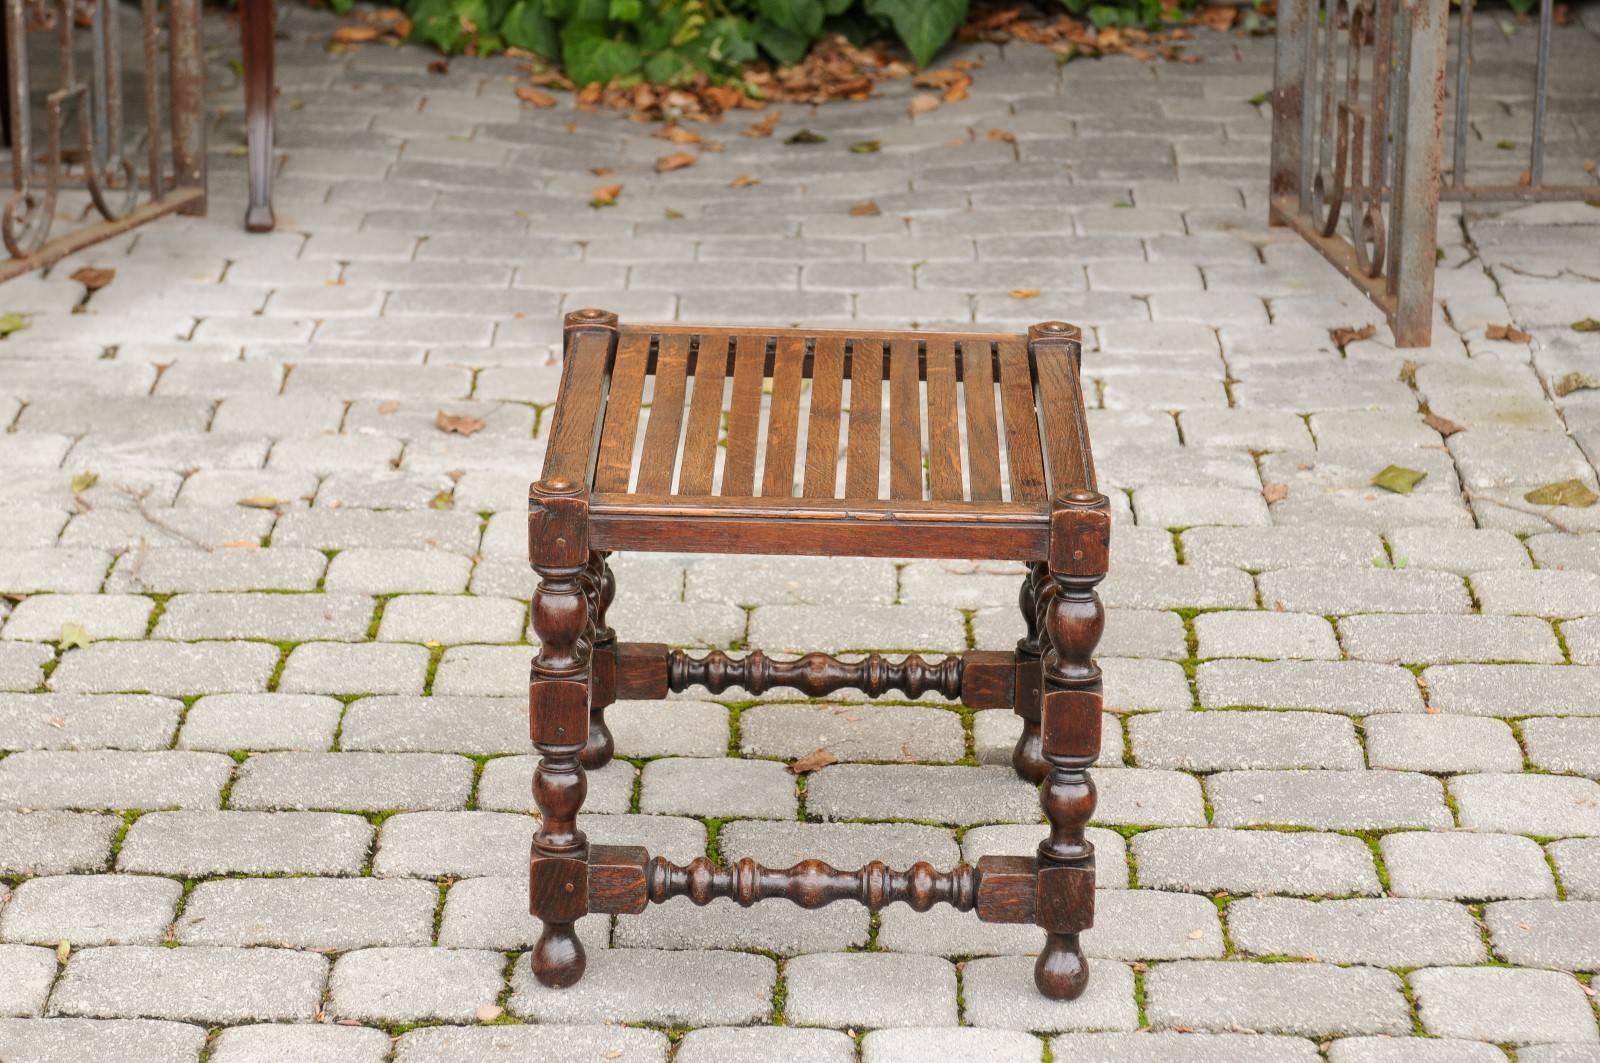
[
  {"x": 1027, "y": 758},
  {"x": 1070, "y": 736},
  {"x": 558, "y": 719},
  {"x": 257, "y": 32},
  {"x": 600, "y": 586}
]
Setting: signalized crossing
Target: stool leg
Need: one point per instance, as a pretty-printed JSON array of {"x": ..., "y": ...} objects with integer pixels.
[
  {"x": 1026, "y": 757},
  {"x": 258, "y": 33},
  {"x": 600, "y": 586},
  {"x": 558, "y": 702},
  {"x": 1070, "y": 738}
]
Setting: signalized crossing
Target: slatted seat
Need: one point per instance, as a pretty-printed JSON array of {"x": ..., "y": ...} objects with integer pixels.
[
  {"x": 800, "y": 441},
  {"x": 671, "y": 427}
]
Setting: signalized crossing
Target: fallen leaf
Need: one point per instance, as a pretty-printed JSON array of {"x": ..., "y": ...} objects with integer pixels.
[
  {"x": 94, "y": 279},
  {"x": 386, "y": 408},
  {"x": 1218, "y": 17},
  {"x": 958, "y": 89},
  {"x": 805, "y": 136},
  {"x": 535, "y": 97},
  {"x": 744, "y": 180},
  {"x": 923, "y": 102},
  {"x": 82, "y": 481},
  {"x": 602, "y": 171},
  {"x": 1443, "y": 425},
  {"x": 1576, "y": 382},
  {"x": 1024, "y": 293},
  {"x": 63, "y": 950},
  {"x": 867, "y": 208},
  {"x": 10, "y": 323},
  {"x": 356, "y": 34},
  {"x": 1343, "y": 337},
  {"x": 73, "y": 634},
  {"x": 819, "y": 758},
  {"x": 460, "y": 424},
  {"x": 241, "y": 544},
  {"x": 1588, "y": 324},
  {"x": 489, "y": 1012},
  {"x": 764, "y": 127},
  {"x": 1574, "y": 493},
  {"x": 676, "y": 161},
  {"x": 1196, "y": 935},
  {"x": 1005, "y": 136},
  {"x": 439, "y": 66},
  {"x": 442, "y": 500},
  {"x": 678, "y": 135},
  {"x": 1399, "y": 479},
  {"x": 1258, "y": 99},
  {"x": 259, "y": 502},
  {"x": 1408, "y": 372},
  {"x": 674, "y": 215},
  {"x": 1274, "y": 492},
  {"x": 1506, "y": 332},
  {"x": 605, "y": 196},
  {"x": 866, "y": 147}
]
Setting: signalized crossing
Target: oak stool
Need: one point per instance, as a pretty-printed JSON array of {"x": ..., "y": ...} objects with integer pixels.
[{"x": 1024, "y": 412}]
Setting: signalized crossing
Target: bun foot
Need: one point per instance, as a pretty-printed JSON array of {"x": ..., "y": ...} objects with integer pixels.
[
  {"x": 1061, "y": 973},
  {"x": 1028, "y": 755},
  {"x": 558, "y": 959},
  {"x": 598, "y": 750}
]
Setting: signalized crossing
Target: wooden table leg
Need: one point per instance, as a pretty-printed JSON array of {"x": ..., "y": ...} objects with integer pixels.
[{"x": 257, "y": 32}]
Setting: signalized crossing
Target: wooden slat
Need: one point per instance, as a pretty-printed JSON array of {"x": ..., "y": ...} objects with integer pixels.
[
  {"x": 983, "y": 435},
  {"x": 783, "y": 421},
  {"x": 1023, "y": 454},
  {"x": 866, "y": 419},
  {"x": 617, "y": 438},
  {"x": 705, "y": 416},
  {"x": 944, "y": 427},
  {"x": 905, "y": 421},
  {"x": 744, "y": 419},
  {"x": 1065, "y": 431},
  {"x": 658, "y": 458},
  {"x": 573, "y": 429},
  {"x": 822, "y": 431}
]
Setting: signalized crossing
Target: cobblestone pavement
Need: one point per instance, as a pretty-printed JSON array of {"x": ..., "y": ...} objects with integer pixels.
[{"x": 266, "y": 786}]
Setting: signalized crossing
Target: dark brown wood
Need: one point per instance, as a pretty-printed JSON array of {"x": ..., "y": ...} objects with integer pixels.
[
  {"x": 1057, "y": 354},
  {"x": 944, "y": 425},
  {"x": 905, "y": 421},
  {"x": 614, "y": 465},
  {"x": 815, "y": 674},
  {"x": 988, "y": 679},
  {"x": 1008, "y": 887},
  {"x": 744, "y": 420},
  {"x": 600, "y": 588},
  {"x": 866, "y": 422},
  {"x": 258, "y": 28},
  {"x": 1027, "y": 757},
  {"x": 822, "y": 434},
  {"x": 659, "y": 459},
  {"x": 983, "y": 434},
  {"x": 705, "y": 415},
  {"x": 814, "y": 884},
  {"x": 642, "y": 671},
  {"x": 617, "y": 879},
  {"x": 1024, "y": 459},
  {"x": 783, "y": 420},
  {"x": 589, "y": 342}
]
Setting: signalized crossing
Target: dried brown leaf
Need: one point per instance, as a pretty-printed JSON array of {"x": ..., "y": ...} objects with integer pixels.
[
  {"x": 1576, "y": 381},
  {"x": 1506, "y": 332},
  {"x": 1005, "y": 136},
  {"x": 1343, "y": 337},
  {"x": 1574, "y": 493},
  {"x": 460, "y": 424},
  {"x": 764, "y": 127},
  {"x": 356, "y": 34},
  {"x": 867, "y": 208},
  {"x": 1274, "y": 492},
  {"x": 604, "y": 196},
  {"x": 94, "y": 279},
  {"x": 1443, "y": 425},
  {"x": 818, "y": 758},
  {"x": 678, "y": 160},
  {"x": 744, "y": 180},
  {"x": 535, "y": 97},
  {"x": 678, "y": 135},
  {"x": 1025, "y": 293},
  {"x": 923, "y": 102},
  {"x": 958, "y": 89}
]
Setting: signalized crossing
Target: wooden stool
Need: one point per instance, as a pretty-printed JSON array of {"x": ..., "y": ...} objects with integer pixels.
[{"x": 594, "y": 498}]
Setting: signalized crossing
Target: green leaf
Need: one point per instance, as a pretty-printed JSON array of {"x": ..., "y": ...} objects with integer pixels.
[
  {"x": 806, "y": 136},
  {"x": 783, "y": 45},
  {"x": 674, "y": 215},
  {"x": 1574, "y": 493},
  {"x": 626, "y": 10},
  {"x": 1399, "y": 479},
  {"x": 922, "y": 25},
  {"x": 866, "y": 147},
  {"x": 1258, "y": 99},
  {"x": 1588, "y": 324},
  {"x": 526, "y": 26},
  {"x": 10, "y": 323},
  {"x": 589, "y": 55},
  {"x": 1575, "y": 382},
  {"x": 802, "y": 17},
  {"x": 83, "y": 481},
  {"x": 73, "y": 634}
]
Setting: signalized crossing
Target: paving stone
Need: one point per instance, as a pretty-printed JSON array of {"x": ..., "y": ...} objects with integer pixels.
[
  {"x": 1441, "y": 744},
  {"x": 1152, "y": 1047},
  {"x": 339, "y": 529},
  {"x": 214, "y": 986},
  {"x": 394, "y": 985},
  {"x": 1310, "y": 999},
  {"x": 1218, "y": 741},
  {"x": 102, "y": 616},
  {"x": 853, "y": 581},
  {"x": 309, "y": 1044},
  {"x": 1431, "y": 639},
  {"x": 56, "y": 571},
  {"x": 669, "y": 728},
  {"x": 483, "y": 670},
  {"x": 1560, "y": 934},
  {"x": 1379, "y": 933},
  {"x": 361, "y": 782},
  {"x": 1262, "y": 549},
  {"x": 407, "y": 724},
  {"x": 26, "y": 973},
  {"x": 309, "y": 913},
  {"x": 90, "y": 910},
  {"x": 55, "y": 843},
  {"x": 274, "y": 617},
  {"x": 97, "y": 780},
  {"x": 1463, "y": 551},
  {"x": 1564, "y": 745},
  {"x": 87, "y": 721},
  {"x": 1514, "y": 689},
  {"x": 998, "y": 991},
  {"x": 492, "y": 913},
  {"x": 466, "y": 844},
  {"x": 807, "y": 628},
  {"x": 1464, "y": 866},
  {"x": 198, "y": 844},
  {"x": 1255, "y": 861},
  {"x": 916, "y": 792},
  {"x": 357, "y": 668},
  {"x": 1180, "y": 587},
  {"x": 846, "y": 845},
  {"x": 1583, "y": 639},
  {"x": 1111, "y": 865},
  {"x": 1363, "y": 590},
  {"x": 1545, "y": 805},
  {"x": 378, "y": 570},
  {"x": 507, "y": 785},
  {"x": 227, "y": 722},
  {"x": 1265, "y": 634},
  {"x": 444, "y": 1044},
  {"x": 955, "y": 1045},
  {"x": 683, "y": 624},
  {"x": 1503, "y": 1005},
  {"x": 1357, "y": 688},
  {"x": 1578, "y": 863},
  {"x": 1412, "y": 1050},
  {"x": 995, "y": 733},
  {"x": 870, "y": 989},
  {"x": 1543, "y": 592},
  {"x": 1565, "y": 550},
  {"x": 1182, "y": 507},
  {"x": 127, "y": 1040},
  {"x": 174, "y": 570},
  {"x": 1369, "y": 800},
  {"x": 22, "y": 665},
  {"x": 1558, "y": 1053},
  {"x": 644, "y": 985},
  {"x": 166, "y": 668},
  {"x": 436, "y": 618},
  {"x": 718, "y": 787},
  {"x": 852, "y": 732}
]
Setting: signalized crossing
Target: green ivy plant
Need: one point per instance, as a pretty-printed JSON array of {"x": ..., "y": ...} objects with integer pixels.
[{"x": 675, "y": 41}]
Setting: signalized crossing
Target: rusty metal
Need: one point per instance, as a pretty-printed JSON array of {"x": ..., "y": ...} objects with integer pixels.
[
  {"x": 1358, "y": 116},
  {"x": 89, "y": 144}
]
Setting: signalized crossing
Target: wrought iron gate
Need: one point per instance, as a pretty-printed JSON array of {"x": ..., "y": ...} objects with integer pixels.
[
  {"x": 75, "y": 156},
  {"x": 1357, "y": 127}
]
